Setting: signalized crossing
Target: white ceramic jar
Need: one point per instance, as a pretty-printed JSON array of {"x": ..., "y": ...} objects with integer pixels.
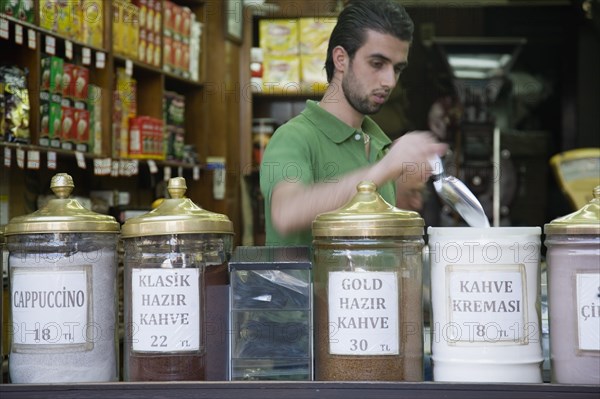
[{"x": 485, "y": 295}]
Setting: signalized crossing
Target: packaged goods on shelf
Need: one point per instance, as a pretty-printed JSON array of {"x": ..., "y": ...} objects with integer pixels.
[
  {"x": 92, "y": 30},
  {"x": 75, "y": 81},
  {"x": 312, "y": 69},
  {"x": 195, "y": 49},
  {"x": 82, "y": 129},
  {"x": 279, "y": 36},
  {"x": 314, "y": 35},
  {"x": 125, "y": 28},
  {"x": 150, "y": 15},
  {"x": 125, "y": 104},
  {"x": 303, "y": 41},
  {"x": 80, "y": 20},
  {"x": 19, "y": 9},
  {"x": 146, "y": 138},
  {"x": 50, "y": 119},
  {"x": 52, "y": 74},
  {"x": 15, "y": 104},
  {"x": 177, "y": 41},
  {"x": 174, "y": 104},
  {"x": 67, "y": 128},
  {"x": 281, "y": 73},
  {"x": 174, "y": 116},
  {"x": 95, "y": 123}
]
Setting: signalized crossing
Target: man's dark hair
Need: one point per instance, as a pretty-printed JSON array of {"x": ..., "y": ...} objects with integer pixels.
[{"x": 383, "y": 16}]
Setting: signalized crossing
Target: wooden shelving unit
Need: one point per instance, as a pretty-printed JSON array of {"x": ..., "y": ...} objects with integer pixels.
[{"x": 152, "y": 83}]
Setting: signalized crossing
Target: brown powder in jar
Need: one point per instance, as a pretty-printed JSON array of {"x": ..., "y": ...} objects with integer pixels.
[
  {"x": 407, "y": 366},
  {"x": 185, "y": 367},
  {"x": 217, "y": 309}
]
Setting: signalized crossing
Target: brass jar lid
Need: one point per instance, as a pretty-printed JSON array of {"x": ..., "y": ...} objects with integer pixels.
[
  {"x": 584, "y": 221},
  {"x": 367, "y": 214},
  {"x": 177, "y": 215},
  {"x": 62, "y": 215}
]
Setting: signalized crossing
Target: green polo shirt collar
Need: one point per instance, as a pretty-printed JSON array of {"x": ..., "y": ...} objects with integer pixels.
[{"x": 338, "y": 131}]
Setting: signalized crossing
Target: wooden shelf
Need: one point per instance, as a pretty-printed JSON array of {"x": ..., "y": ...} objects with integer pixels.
[
  {"x": 47, "y": 32},
  {"x": 87, "y": 155},
  {"x": 151, "y": 84}
]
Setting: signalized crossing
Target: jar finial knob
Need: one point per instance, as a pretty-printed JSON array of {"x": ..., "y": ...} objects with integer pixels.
[
  {"x": 366, "y": 187},
  {"x": 177, "y": 187},
  {"x": 62, "y": 185}
]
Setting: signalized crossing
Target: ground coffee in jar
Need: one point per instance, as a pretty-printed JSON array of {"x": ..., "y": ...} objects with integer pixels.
[
  {"x": 367, "y": 284},
  {"x": 167, "y": 253}
]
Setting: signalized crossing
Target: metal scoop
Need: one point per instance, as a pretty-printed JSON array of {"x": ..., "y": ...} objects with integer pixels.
[{"x": 457, "y": 196}]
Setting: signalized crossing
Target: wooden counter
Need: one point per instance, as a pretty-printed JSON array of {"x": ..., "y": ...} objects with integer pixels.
[{"x": 293, "y": 390}]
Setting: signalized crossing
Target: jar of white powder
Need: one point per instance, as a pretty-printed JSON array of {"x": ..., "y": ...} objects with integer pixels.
[
  {"x": 174, "y": 256},
  {"x": 573, "y": 259},
  {"x": 485, "y": 296},
  {"x": 62, "y": 266}
]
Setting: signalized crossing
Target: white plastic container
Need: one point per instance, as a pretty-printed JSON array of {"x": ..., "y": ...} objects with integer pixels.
[{"x": 485, "y": 295}]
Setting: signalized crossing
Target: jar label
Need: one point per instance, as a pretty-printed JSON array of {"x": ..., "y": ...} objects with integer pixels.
[
  {"x": 363, "y": 313},
  {"x": 51, "y": 309},
  {"x": 165, "y": 310},
  {"x": 487, "y": 304},
  {"x": 588, "y": 311}
]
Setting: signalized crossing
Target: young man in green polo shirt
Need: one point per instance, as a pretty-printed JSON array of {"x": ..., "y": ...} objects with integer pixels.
[{"x": 314, "y": 162}]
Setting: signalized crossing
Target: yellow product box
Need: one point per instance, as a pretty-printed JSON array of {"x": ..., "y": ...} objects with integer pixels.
[
  {"x": 281, "y": 74},
  {"x": 49, "y": 14},
  {"x": 314, "y": 34},
  {"x": 93, "y": 22},
  {"x": 132, "y": 29},
  {"x": 69, "y": 18},
  {"x": 313, "y": 69},
  {"x": 118, "y": 27},
  {"x": 279, "y": 36}
]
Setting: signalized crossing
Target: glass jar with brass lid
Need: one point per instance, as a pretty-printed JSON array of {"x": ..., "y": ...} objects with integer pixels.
[
  {"x": 573, "y": 266},
  {"x": 368, "y": 287},
  {"x": 63, "y": 270},
  {"x": 169, "y": 252}
]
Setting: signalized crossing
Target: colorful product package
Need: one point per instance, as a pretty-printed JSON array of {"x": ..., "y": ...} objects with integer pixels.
[
  {"x": 16, "y": 104},
  {"x": 82, "y": 129},
  {"x": 279, "y": 36},
  {"x": 314, "y": 35},
  {"x": 54, "y": 120},
  {"x": 52, "y": 73},
  {"x": 281, "y": 74},
  {"x": 95, "y": 109},
  {"x": 67, "y": 128},
  {"x": 93, "y": 22}
]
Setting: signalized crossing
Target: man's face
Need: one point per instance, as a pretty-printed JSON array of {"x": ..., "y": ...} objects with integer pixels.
[{"x": 373, "y": 72}]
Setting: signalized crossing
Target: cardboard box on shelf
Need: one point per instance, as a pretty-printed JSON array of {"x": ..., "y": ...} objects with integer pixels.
[
  {"x": 314, "y": 35},
  {"x": 82, "y": 130},
  {"x": 52, "y": 73},
  {"x": 279, "y": 36},
  {"x": 93, "y": 22},
  {"x": 281, "y": 73},
  {"x": 68, "y": 131},
  {"x": 313, "y": 69}
]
